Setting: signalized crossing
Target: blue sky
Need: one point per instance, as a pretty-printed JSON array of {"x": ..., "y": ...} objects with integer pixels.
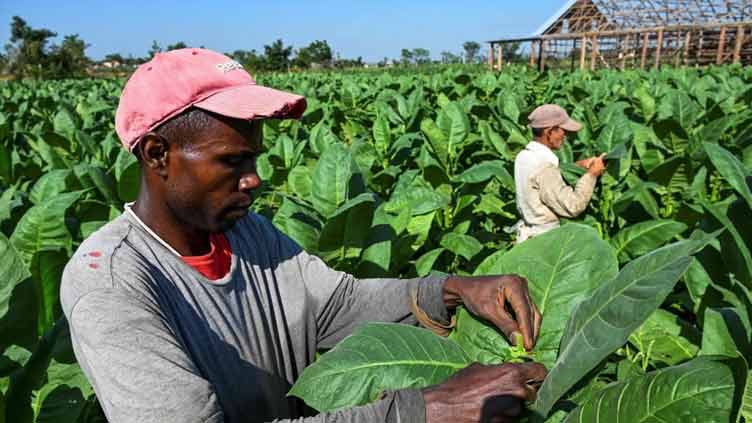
[{"x": 369, "y": 28}]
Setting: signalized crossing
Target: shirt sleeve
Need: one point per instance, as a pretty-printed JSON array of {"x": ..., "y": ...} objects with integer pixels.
[
  {"x": 138, "y": 369},
  {"x": 560, "y": 197},
  {"x": 403, "y": 406},
  {"x": 340, "y": 302}
]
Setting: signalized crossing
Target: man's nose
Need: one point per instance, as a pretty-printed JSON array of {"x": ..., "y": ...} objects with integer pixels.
[{"x": 249, "y": 182}]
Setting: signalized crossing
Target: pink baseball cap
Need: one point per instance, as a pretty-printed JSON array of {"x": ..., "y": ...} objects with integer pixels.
[
  {"x": 173, "y": 81},
  {"x": 550, "y": 115}
]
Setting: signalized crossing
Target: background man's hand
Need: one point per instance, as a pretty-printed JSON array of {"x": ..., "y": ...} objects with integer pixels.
[
  {"x": 597, "y": 166},
  {"x": 585, "y": 163},
  {"x": 481, "y": 393},
  {"x": 502, "y": 300}
]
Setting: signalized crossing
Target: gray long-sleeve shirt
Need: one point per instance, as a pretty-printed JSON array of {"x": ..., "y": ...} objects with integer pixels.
[{"x": 161, "y": 343}]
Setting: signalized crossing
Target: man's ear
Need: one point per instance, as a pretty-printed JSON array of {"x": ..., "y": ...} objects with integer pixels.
[{"x": 154, "y": 150}]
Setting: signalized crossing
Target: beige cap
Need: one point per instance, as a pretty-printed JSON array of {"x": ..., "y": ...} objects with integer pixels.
[{"x": 550, "y": 115}]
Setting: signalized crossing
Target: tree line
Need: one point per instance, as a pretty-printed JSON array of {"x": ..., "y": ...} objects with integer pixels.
[{"x": 31, "y": 53}]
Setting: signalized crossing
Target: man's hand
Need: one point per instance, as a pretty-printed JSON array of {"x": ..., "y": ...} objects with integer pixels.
[
  {"x": 585, "y": 163},
  {"x": 502, "y": 300},
  {"x": 481, "y": 393},
  {"x": 597, "y": 166}
]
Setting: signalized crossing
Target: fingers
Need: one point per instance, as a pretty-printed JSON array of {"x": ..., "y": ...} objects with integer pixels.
[
  {"x": 504, "y": 321},
  {"x": 532, "y": 372},
  {"x": 537, "y": 319},
  {"x": 521, "y": 305}
]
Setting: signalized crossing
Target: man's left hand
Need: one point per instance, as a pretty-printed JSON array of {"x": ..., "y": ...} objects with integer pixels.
[{"x": 502, "y": 300}]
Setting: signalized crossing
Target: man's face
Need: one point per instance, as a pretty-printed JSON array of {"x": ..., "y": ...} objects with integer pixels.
[
  {"x": 556, "y": 137},
  {"x": 210, "y": 182}
]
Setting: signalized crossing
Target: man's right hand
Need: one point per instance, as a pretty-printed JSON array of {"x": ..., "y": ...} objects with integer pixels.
[
  {"x": 480, "y": 393},
  {"x": 597, "y": 166}
]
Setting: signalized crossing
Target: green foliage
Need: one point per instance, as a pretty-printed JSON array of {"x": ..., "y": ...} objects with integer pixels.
[{"x": 407, "y": 172}]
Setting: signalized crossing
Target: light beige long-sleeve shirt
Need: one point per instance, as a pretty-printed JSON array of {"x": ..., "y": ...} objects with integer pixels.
[{"x": 542, "y": 194}]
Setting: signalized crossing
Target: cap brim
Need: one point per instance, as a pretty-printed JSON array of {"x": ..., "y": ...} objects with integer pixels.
[
  {"x": 571, "y": 125},
  {"x": 252, "y": 101}
]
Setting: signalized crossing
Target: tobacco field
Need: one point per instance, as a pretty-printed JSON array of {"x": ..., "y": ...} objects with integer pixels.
[{"x": 646, "y": 298}]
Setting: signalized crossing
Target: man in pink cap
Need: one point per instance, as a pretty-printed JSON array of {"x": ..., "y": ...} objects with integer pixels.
[
  {"x": 189, "y": 308},
  {"x": 542, "y": 195}
]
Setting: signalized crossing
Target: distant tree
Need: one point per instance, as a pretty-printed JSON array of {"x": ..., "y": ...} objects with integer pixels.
[
  {"x": 155, "y": 48},
  {"x": 277, "y": 56},
  {"x": 250, "y": 60},
  {"x": 114, "y": 57},
  {"x": 383, "y": 62},
  {"x": 349, "y": 63},
  {"x": 317, "y": 52},
  {"x": 448, "y": 58},
  {"x": 471, "y": 51},
  {"x": 69, "y": 59},
  {"x": 421, "y": 56},
  {"x": 406, "y": 57},
  {"x": 31, "y": 55},
  {"x": 27, "y": 51},
  {"x": 176, "y": 46}
]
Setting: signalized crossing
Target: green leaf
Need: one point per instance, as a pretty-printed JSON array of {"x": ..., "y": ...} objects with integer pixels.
[
  {"x": 643, "y": 237},
  {"x": 128, "y": 176},
  {"x": 49, "y": 185},
  {"x": 332, "y": 179},
  {"x": 42, "y": 227},
  {"x": 95, "y": 177},
  {"x": 424, "y": 264},
  {"x": 382, "y": 135},
  {"x": 700, "y": 390},
  {"x": 63, "y": 398},
  {"x": 563, "y": 267},
  {"x": 731, "y": 168},
  {"x": 485, "y": 171},
  {"x": 725, "y": 333},
  {"x": 347, "y": 229},
  {"x": 375, "y": 358},
  {"x": 65, "y": 123},
  {"x": 298, "y": 223},
  {"x": 300, "y": 181},
  {"x": 666, "y": 338},
  {"x": 14, "y": 271},
  {"x": 419, "y": 200},
  {"x": 461, "y": 245},
  {"x": 437, "y": 139},
  {"x": 47, "y": 271},
  {"x": 604, "y": 321}
]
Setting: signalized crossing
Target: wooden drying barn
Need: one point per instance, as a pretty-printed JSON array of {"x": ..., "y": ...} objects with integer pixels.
[{"x": 592, "y": 34}]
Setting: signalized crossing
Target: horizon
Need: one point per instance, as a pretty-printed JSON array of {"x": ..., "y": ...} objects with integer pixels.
[{"x": 423, "y": 25}]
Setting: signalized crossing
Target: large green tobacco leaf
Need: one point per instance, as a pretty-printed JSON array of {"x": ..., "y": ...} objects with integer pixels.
[
  {"x": 375, "y": 358},
  {"x": 299, "y": 223},
  {"x": 63, "y": 397},
  {"x": 333, "y": 179},
  {"x": 13, "y": 271},
  {"x": 47, "y": 270},
  {"x": 665, "y": 337},
  {"x": 698, "y": 391},
  {"x": 643, "y": 237},
  {"x": 726, "y": 333},
  {"x": 731, "y": 168},
  {"x": 562, "y": 267},
  {"x": 603, "y": 322},
  {"x": 346, "y": 231},
  {"x": 43, "y": 227},
  {"x": 49, "y": 185}
]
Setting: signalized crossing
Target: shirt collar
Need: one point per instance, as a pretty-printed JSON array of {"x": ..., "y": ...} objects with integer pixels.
[{"x": 542, "y": 152}]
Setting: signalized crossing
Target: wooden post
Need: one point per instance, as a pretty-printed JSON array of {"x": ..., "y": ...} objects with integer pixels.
[
  {"x": 644, "y": 57},
  {"x": 701, "y": 41},
  {"x": 542, "y": 55},
  {"x": 500, "y": 57},
  {"x": 593, "y": 53},
  {"x": 721, "y": 45},
  {"x": 532, "y": 54},
  {"x": 624, "y": 50},
  {"x": 658, "y": 46},
  {"x": 583, "y": 47},
  {"x": 687, "y": 43},
  {"x": 739, "y": 42},
  {"x": 491, "y": 55}
]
